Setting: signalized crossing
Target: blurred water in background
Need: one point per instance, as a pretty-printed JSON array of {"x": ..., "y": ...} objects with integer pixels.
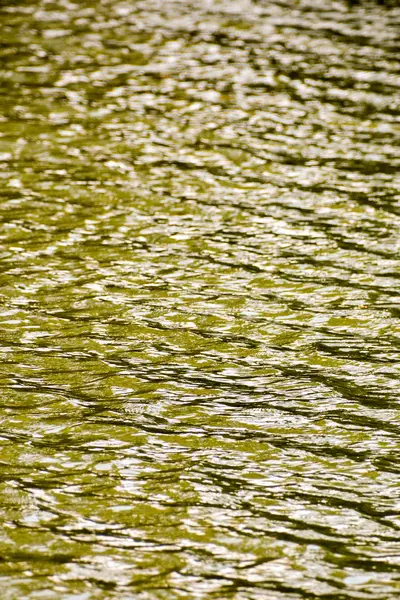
[{"x": 200, "y": 337}]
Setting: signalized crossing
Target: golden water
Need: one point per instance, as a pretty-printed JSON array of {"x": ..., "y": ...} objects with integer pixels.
[{"x": 199, "y": 300}]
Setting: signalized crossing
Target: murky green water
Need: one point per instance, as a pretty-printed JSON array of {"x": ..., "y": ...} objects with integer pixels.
[{"x": 200, "y": 300}]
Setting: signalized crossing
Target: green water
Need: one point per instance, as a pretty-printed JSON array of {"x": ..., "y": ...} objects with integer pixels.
[{"x": 199, "y": 300}]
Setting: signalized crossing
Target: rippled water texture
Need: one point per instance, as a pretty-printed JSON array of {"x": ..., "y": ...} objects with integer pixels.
[{"x": 200, "y": 300}]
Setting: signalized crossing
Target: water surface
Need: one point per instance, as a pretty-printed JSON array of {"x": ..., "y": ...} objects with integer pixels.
[{"x": 199, "y": 300}]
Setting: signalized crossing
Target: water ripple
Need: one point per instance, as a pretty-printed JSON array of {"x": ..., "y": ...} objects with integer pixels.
[{"x": 199, "y": 290}]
